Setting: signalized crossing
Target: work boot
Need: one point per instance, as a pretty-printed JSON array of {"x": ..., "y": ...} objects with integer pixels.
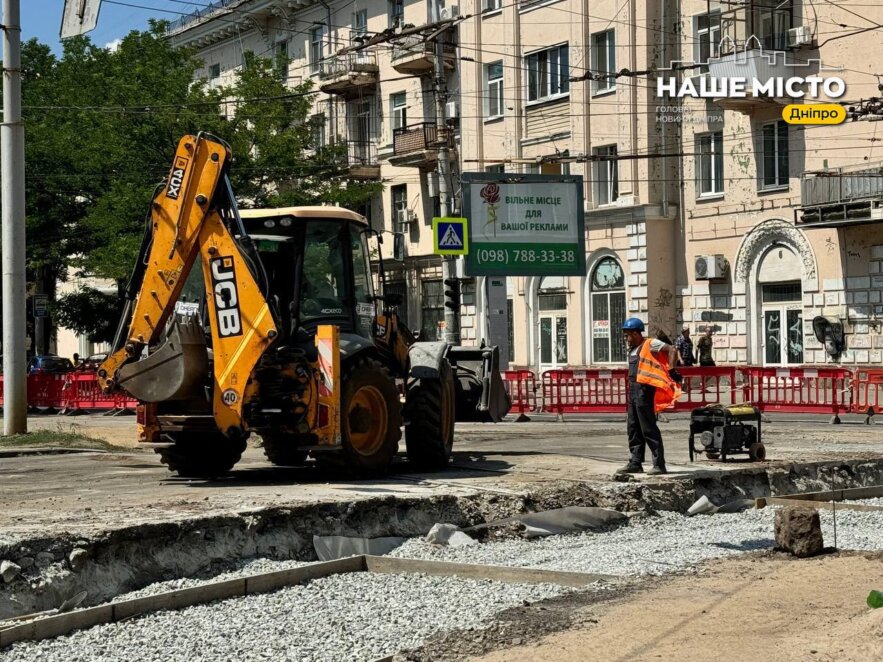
[
  {"x": 631, "y": 468},
  {"x": 656, "y": 471}
]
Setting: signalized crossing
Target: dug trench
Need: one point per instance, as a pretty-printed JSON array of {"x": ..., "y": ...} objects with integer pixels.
[{"x": 117, "y": 560}]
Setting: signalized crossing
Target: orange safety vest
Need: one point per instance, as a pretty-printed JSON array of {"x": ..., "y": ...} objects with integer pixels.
[{"x": 653, "y": 370}]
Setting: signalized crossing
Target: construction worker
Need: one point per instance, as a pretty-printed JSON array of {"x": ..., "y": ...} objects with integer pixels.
[{"x": 651, "y": 389}]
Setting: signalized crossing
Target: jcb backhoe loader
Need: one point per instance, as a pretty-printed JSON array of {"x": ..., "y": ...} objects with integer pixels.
[{"x": 288, "y": 341}]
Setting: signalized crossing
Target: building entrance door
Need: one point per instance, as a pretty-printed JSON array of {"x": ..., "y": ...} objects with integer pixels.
[
  {"x": 553, "y": 340},
  {"x": 782, "y": 314}
]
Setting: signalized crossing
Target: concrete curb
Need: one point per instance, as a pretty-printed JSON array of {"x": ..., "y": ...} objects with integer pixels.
[{"x": 49, "y": 450}]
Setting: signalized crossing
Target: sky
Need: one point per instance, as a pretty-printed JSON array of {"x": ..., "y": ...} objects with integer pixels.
[{"x": 42, "y": 18}]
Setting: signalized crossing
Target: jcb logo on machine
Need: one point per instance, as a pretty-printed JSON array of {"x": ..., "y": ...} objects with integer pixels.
[
  {"x": 226, "y": 297},
  {"x": 176, "y": 179}
]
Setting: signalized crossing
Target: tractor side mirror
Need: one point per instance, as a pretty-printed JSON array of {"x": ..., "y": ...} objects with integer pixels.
[{"x": 398, "y": 246}]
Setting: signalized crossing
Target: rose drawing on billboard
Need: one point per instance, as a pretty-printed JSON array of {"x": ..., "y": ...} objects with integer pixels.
[{"x": 490, "y": 193}]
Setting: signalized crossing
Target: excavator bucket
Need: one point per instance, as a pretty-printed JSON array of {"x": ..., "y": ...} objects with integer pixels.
[
  {"x": 481, "y": 395},
  {"x": 176, "y": 371}
]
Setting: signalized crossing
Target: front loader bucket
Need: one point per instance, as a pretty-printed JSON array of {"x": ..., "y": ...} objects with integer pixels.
[
  {"x": 481, "y": 395},
  {"x": 175, "y": 371}
]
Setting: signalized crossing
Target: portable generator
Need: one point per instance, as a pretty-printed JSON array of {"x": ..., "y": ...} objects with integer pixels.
[{"x": 725, "y": 431}]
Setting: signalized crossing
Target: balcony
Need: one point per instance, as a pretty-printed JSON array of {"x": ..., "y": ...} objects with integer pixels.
[
  {"x": 348, "y": 74},
  {"x": 756, "y": 63},
  {"x": 842, "y": 196},
  {"x": 362, "y": 160},
  {"x": 413, "y": 57},
  {"x": 416, "y": 146}
]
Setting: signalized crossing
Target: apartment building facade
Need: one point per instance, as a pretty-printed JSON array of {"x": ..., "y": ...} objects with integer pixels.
[
  {"x": 378, "y": 100},
  {"x": 709, "y": 212}
]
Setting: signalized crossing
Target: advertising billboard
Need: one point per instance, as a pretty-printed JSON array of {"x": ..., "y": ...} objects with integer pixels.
[{"x": 524, "y": 225}]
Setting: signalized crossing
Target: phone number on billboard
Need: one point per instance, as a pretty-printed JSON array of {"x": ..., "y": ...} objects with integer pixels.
[{"x": 522, "y": 256}]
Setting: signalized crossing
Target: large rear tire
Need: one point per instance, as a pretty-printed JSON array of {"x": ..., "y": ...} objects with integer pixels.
[
  {"x": 430, "y": 407},
  {"x": 371, "y": 419},
  {"x": 281, "y": 449},
  {"x": 201, "y": 454}
]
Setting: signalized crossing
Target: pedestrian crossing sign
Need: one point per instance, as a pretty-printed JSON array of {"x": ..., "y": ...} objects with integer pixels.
[{"x": 450, "y": 236}]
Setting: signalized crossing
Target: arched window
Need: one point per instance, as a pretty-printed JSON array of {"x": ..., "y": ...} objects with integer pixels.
[{"x": 607, "y": 289}]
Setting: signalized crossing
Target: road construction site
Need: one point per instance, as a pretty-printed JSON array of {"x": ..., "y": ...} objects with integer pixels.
[{"x": 118, "y": 527}]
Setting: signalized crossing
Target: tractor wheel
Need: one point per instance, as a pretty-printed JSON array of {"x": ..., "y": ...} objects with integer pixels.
[
  {"x": 281, "y": 449},
  {"x": 370, "y": 416},
  {"x": 201, "y": 454},
  {"x": 429, "y": 434}
]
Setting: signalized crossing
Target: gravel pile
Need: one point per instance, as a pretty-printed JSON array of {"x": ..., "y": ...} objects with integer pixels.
[
  {"x": 356, "y": 616},
  {"x": 653, "y": 545},
  {"x": 875, "y": 501}
]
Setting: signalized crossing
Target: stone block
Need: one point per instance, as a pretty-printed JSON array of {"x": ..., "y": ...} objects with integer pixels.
[
  {"x": 739, "y": 342},
  {"x": 638, "y": 266},
  {"x": 634, "y": 241},
  {"x": 874, "y": 296},
  {"x": 875, "y": 356},
  {"x": 874, "y": 267},
  {"x": 799, "y": 531},
  {"x": 877, "y": 282},
  {"x": 683, "y": 290},
  {"x": 701, "y": 288},
  {"x": 720, "y": 302},
  {"x": 642, "y": 253},
  {"x": 700, "y": 302},
  {"x": 877, "y": 252},
  {"x": 832, "y": 298},
  {"x": 638, "y": 292},
  {"x": 468, "y": 300},
  {"x": 631, "y": 254},
  {"x": 739, "y": 301},
  {"x": 633, "y": 307},
  {"x": 862, "y": 356},
  {"x": 818, "y": 300},
  {"x": 739, "y": 288},
  {"x": 850, "y": 296},
  {"x": 811, "y": 285},
  {"x": 741, "y": 356},
  {"x": 741, "y": 328},
  {"x": 859, "y": 283},
  {"x": 860, "y": 312},
  {"x": 833, "y": 283},
  {"x": 719, "y": 288},
  {"x": 738, "y": 314},
  {"x": 807, "y": 299},
  {"x": 632, "y": 280},
  {"x": 9, "y": 571}
]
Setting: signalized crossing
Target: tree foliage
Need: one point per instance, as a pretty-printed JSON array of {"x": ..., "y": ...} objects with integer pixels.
[{"x": 101, "y": 129}]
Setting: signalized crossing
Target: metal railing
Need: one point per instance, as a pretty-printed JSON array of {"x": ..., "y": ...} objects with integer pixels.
[
  {"x": 841, "y": 185},
  {"x": 415, "y": 138},
  {"x": 198, "y": 14},
  {"x": 347, "y": 63},
  {"x": 361, "y": 153}
]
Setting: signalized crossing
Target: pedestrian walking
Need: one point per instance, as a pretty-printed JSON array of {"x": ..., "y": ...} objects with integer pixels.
[
  {"x": 705, "y": 345},
  {"x": 651, "y": 389},
  {"x": 684, "y": 345}
]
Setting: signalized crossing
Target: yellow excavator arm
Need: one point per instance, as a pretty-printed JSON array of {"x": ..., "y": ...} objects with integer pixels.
[{"x": 189, "y": 220}]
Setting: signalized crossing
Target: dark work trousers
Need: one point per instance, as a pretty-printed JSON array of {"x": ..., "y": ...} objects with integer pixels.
[{"x": 643, "y": 432}]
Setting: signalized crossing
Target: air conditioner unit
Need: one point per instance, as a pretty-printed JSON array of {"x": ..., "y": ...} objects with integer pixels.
[
  {"x": 449, "y": 13},
  {"x": 452, "y": 110},
  {"x": 405, "y": 217},
  {"x": 710, "y": 267},
  {"x": 800, "y": 36}
]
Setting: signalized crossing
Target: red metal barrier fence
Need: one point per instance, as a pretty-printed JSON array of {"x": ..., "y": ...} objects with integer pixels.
[
  {"x": 585, "y": 391},
  {"x": 703, "y": 386},
  {"x": 798, "y": 390},
  {"x": 867, "y": 391},
  {"x": 521, "y": 385}
]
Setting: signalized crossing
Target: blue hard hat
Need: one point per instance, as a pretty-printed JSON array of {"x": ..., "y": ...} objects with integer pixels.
[{"x": 633, "y": 324}]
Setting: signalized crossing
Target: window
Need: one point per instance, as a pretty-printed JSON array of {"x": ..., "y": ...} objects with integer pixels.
[
  {"x": 399, "y": 204},
  {"x": 318, "y": 124},
  {"x": 433, "y": 310},
  {"x": 399, "y": 288},
  {"x": 710, "y": 163},
  {"x": 398, "y": 104},
  {"x": 493, "y": 5},
  {"x": 552, "y": 305},
  {"x": 708, "y": 38},
  {"x": 360, "y": 22},
  {"x": 493, "y": 76},
  {"x": 606, "y": 175},
  {"x": 363, "y": 288},
  {"x": 604, "y": 60},
  {"x": 281, "y": 59},
  {"x": 774, "y": 163},
  {"x": 548, "y": 74},
  {"x": 608, "y": 311},
  {"x": 214, "y": 72},
  {"x": 499, "y": 168},
  {"x": 772, "y": 20},
  {"x": 317, "y": 40},
  {"x": 396, "y": 12}
]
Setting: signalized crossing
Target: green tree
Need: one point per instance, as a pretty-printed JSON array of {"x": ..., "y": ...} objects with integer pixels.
[{"x": 102, "y": 127}]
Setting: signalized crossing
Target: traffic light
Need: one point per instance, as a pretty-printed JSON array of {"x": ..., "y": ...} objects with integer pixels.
[{"x": 452, "y": 294}]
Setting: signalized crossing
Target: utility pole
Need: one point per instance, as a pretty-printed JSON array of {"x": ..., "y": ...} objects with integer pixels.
[
  {"x": 449, "y": 265},
  {"x": 12, "y": 198}
]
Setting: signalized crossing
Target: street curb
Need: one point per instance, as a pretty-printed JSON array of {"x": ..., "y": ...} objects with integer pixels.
[{"x": 49, "y": 450}]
